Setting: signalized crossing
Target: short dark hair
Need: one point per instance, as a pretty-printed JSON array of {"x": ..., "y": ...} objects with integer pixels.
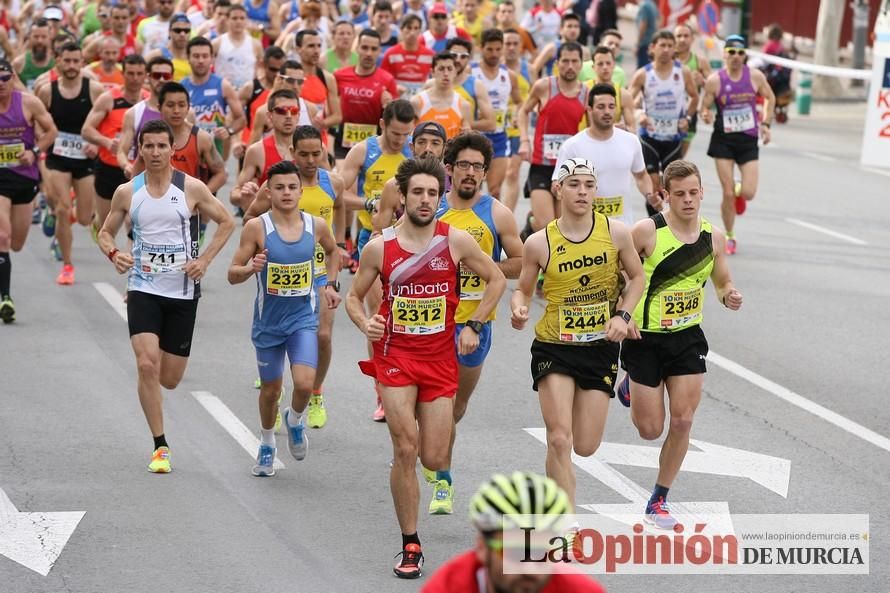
[
  {"x": 156, "y": 126},
  {"x": 367, "y": 32},
  {"x": 491, "y": 36},
  {"x": 132, "y": 60},
  {"x": 423, "y": 166},
  {"x": 236, "y": 7},
  {"x": 612, "y": 32},
  {"x": 298, "y": 38},
  {"x": 281, "y": 94},
  {"x": 468, "y": 140},
  {"x": 273, "y": 52},
  {"x": 600, "y": 89},
  {"x": 410, "y": 18},
  {"x": 198, "y": 42},
  {"x": 172, "y": 88},
  {"x": 69, "y": 46},
  {"x": 159, "y": 60},
  {"x": 441, "y": 57},
  {"x": 467, "y": 45},
  {"x": 342, "y": 22},
  {"x": 569, "y": 16},
  {"x": 569, "y": 46},
  {"x": 679, "y": 170},
  {"x": 600, "y": 50},
  {"x": 401, "y": 110},
  {"x": 39, "y": 23},
  {"x": 382, "y": 6},
  {"x": 283, "y": 167},
  {"x": 306, "y": 133},
  {"x": 291, "y": 65},
  {"x": 663, "y": 34}
]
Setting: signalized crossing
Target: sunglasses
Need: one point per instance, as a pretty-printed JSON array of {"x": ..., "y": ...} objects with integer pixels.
[
  {"x": 291, "y": 79},
  {"x": 5, "y": 77},
  {"x": 291, "y": 110},
  {"x": 186, "y": 31},
  {"x": 161, "y": 75},
  {"x": 440, "y": 16},
  {"x": 735, "y": 52}
]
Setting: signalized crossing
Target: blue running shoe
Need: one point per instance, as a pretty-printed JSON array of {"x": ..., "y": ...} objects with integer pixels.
[
  {"x": 49, "y": 224},
  {"x": 297, "y": 439},
  {"x": 622, "y": 392},
  {"x": 265, "y": 461},
  {"x": 55, "y": 249},
  {"x": 658, "y": 515}
]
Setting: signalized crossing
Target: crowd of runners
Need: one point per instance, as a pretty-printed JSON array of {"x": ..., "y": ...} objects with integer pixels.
[{"x": 388, "y": 140}]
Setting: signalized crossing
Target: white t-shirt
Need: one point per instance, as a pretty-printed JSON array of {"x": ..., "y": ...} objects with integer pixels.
[{"x": 614, "y": 161}]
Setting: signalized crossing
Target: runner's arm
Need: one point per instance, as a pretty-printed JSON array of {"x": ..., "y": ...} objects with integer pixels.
[
  {"x": 260, "y": 204},
  {"x": 769, "y": 102},
  {"x": 339, "y": 210},
  {"x": 627, "y": 111},
  {"x": 616, "y": 327},
  {"x": 368, "y": 271},
  {"x": 387, "y": 206},
  {"x": 691, "y": 93},
  {"x": 120, "y": 206},
  {"x": 351, "y": 165},
  {"x": 534, "y": 99},
  {"x": 643, "y": 234},
  {"x": 486, "y": 121},
  {"x": 720, "y": 275},
  {"x": 236, "y": 118},
  {"x": 508, "y": 234},
  {"x": 249, "y": 258},
  {"x": 466, "y": 116},
  {"x": 94, "y": 118},
  {"x": 259, "y": 124},
  {"x": 537, "y": 66},
  {"x": 43, "y": 119},
  {"x": 211, "y": 208},
  {"x": 213, "y": 161},
  {"x": 534, "y": 256},
  {"x": 126, "y": 142},
  {"x": 327, "y": 242},
  {"x": 334, "y": 116},
  {"x": 712, "y": 85},
  {"x": 466, "y": 250}
]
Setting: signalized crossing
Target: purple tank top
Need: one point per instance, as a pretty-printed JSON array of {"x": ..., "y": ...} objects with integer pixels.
[
  {"x": 16, "y": 135},
  {"x": 142, "y": 115},
  {"x": 737, "y": 105}
]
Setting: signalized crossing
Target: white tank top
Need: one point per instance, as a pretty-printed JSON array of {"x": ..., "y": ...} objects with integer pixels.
[
  {"x": 165, "y": 237},
  {"x": 664, "y": 101},
  {"x": 237, "y": 63},
  {"x": 499, "y": 90}
]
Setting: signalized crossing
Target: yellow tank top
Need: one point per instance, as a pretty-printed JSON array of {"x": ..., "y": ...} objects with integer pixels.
[
  {"x": 477, "y": 221},
  {"x": 512, "y": 130},
  {"x": 379, "y": 168},
  {"x": 181, "y": 69},
  {"x": 318, "y": 200},
  {"x": 676, "y": 274},
  {"x": 580, "y": 286}
]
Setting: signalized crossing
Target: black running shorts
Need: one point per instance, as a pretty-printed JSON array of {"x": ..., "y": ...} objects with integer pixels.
[
  {"x": 656, "y": 356},
  {"x": 540, "y": 177},
  {"x": 172, "y": 320},
  {"x": 592, "y": 367},
  {"x": 78, "y": 168},
  {"x": 737, "y": 146},
  {"x": 18, "y": 188},
  {"x": 108, "y": 179},
  {"x": 658, "y": 154}
]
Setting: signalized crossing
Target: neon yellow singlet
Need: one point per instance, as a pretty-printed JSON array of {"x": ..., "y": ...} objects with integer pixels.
[
  {"x": 479, "y": 223},
  {"x": 676, "y": 273},
  {"x": 318, "y": 200},
  {"x": 512, "y": 130},
  {"x": 580, "y": 286},
  {"x": 379, "y": 168}
]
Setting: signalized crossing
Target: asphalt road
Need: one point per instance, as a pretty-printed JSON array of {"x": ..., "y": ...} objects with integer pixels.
[{"x": 74, "y": 438}]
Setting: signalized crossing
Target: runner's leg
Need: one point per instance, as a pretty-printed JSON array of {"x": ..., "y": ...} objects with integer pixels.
[
  {"x": 556, "y": 395},
  {"x": 399, "y": 404},
  {"x": 684, "y": 395},
  {"x": 589, "y": 420}
]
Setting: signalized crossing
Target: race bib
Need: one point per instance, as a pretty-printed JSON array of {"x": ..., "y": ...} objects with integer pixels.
[
  {"x": 419, "y": 316},
  {"x": 471, "y": 285},
  {"x": 609, "y": 205},
  {"x": 583, "y": 323},
  {"x": 665, "y": 127},
  {"x": 681, "y": 307},
  {"x": 320, "y": 261},
  {"x": 9, "y": 154},
  {"x": 500, "y": 120},
  {"x": 69, "y": 146},
  {"x": 551, "y": 144},
  {"x": 162, "y": 259},
  {"x": 289, "y": 280},
  {"x": 738, "y": 119},
  {"x": 355, "y": 133}
]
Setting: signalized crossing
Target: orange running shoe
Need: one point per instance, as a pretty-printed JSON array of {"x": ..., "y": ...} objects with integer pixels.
[{"x": 66, "y": 276}]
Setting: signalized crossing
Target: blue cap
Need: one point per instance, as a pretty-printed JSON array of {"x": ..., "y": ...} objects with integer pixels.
[{"x": 736, "y": 41}]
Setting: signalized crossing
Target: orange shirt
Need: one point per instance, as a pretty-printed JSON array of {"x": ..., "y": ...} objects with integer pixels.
[{"x": 450, "y": 118}]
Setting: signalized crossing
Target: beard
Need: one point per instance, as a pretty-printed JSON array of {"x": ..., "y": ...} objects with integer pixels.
[
  {"x": 466, "y": 194},
  {"x": 417, "y": 220},
  {"x": 39, "y": 53}
]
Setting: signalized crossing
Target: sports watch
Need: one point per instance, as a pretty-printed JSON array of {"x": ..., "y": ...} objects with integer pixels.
[
  {"x": 476, "y": 326},
  {"x": 623, "y": 315}
]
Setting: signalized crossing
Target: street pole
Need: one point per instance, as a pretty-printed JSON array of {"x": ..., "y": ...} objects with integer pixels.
[
  {"x": 828, "y": 37},
  {"x": 860, "y": 35}
]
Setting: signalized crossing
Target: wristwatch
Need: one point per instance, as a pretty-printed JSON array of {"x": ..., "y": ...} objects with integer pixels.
[
  {"x": 335, "y": 284},
  {"x": 623, "y": 315},
  {"x": 36, "y": 150},
  {"x": 476, "y": 326},
  {"x": 231, "y": 131}
]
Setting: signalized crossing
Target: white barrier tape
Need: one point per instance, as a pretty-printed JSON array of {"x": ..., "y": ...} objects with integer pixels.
[{"x": 854, "y": 73}]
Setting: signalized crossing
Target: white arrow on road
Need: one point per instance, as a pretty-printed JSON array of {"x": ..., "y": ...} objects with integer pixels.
[{"x": 34, "y": 540}]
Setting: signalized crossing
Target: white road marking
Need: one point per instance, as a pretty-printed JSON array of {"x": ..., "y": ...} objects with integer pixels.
[
  {"x": 113, "y": 297},
  {"x": 829, "y": 232},
  {"x": 817, "y": 156},
  {"x": 801, "y": 402},
  {"x": 232, "y": 425},
  {"x": 34, "y": 540},
  {"x": 884, "y": 172}
]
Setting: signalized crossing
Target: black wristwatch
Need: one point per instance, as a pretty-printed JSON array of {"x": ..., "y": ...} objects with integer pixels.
[
  {"x": 623, "y": 315},
  {"x": 476, "y": 326},
  {"x": 335, "y": 285},
  {"x": 36, "y": 150}
]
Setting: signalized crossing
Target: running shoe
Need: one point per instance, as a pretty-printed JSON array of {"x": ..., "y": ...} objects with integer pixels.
[
  {"x": 36, "y": 216},
  {"x": 623, "y": 391},
  {"x": 160, "y": 461},
  {"x": 55, "y": 249},
  {"x": 49, "y": 224},
  {"x": 443, "y": 498},
  {"x": 94, "y": 232},
  {"x": 257, "y": 383},
  {"x": 428, "y": 475},
  {"x": 740, "y": 202},
  {"x": 409, "y": 566},
  {"x": 7, "y": 310},
  {"x": 658, "y": 515},
  {"x": 379, "y": 413},
  {"x": 66, "y": 276},
  {"x": 730, "y": 247},
  {"x": 265, "y": 461},
  {"x": 317, "y": 414},
  {"x": 297, "y": 440}
]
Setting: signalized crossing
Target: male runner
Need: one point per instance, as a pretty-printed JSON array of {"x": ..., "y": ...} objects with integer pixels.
[
  {"x": 279, "y": 249},
  {"x": 666, "y": 90},
  {"x": 253, "y": 94},
  {"x": 237, "y": 53},
  {"x": 604, "y": 68},
  {"x": 409, "y": 61},
  {"x": 514, "y": 61},
  {"x": 561, "y": 101},
  {"x": 469, "y": 87},
  {"x": 69, "y": 165},
  {"x": 160, "y": 71},
  {"x": 320, "y": 87},
  {"x": 468, "y": 18},
  {"x": 569, "y": 31},
  {"x": 103, "y": 127},
  {"x": 505, "y": 19},
  {"x": 441, "y": 103},
  {"x": 164, "y": 268},
  {"x": 503, "y": 88},
  {"x": 107, "y": 69},
  {"x": 153, "y": 31},
  {"x": 441, "y": 29},
  {"x": 467, "y": 159},
  {"x": 698, "y": 65},
  {"x": 733, "y": 90},
  {"x": 176, "y": 49},
  {"x": 617, "y": 153},
  {"x": 381, "y": 21},
  {"x": 20, "y": 147},
  {"x": 575, "y": 351},
  {"x": 38, "y": 59},
  {"x": 291, "y": 77},
  {"x": 364, "y": 91},
  {"x": 413, "y": 335},
  {"x": 341, "y": 54},
  {"x": 680, "y": 252}
]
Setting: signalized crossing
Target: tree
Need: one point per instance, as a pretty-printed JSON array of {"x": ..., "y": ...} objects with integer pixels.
[{"x": 828, "y": 38}]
